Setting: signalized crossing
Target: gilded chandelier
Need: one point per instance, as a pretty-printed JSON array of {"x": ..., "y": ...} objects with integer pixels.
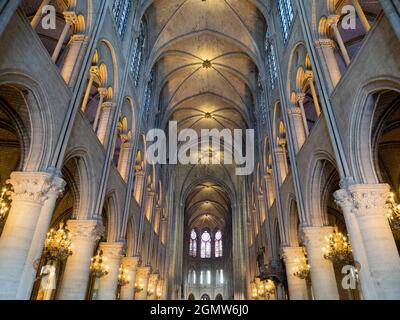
[
  {"x": 5, "y": 204},
  {"x": 123, "y": 278},
  {"x": 338, "y": 249},
  {"x": 98, "y": 266},
  {"x": 58, "y": 244},
  {"x": 393, "y": 214},
  {"x": 302, "y": 269}
]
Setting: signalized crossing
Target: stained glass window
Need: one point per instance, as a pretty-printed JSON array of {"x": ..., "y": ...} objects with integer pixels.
[
  {"x": 218, "y": 244},
  {"x": 138, "y": 54},
  {"x": 205, "y": 250},
  {"x": 121, "y": 9},
  {"x": 271, "y": 62},
  {"x": 193, "y": 244},
  {"x": 286, "y": 15}
]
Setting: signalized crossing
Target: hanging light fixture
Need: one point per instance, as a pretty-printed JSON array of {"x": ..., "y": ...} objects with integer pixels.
[
  {"x": 58, "y": 244},
  {"x": 393, "y": 214},
  {"x": 159, "y": 290},
  {"x": 123, "y": 278},
  {"x": 302, "y": 269},
  {"x": 338, "y": 249},
  {"x": 139, "y": 285},
  {"x": 98, "y": 267},
  {"x": 5, "y": 203}
]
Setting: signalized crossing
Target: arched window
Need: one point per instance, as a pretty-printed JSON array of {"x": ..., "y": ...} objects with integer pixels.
[
  {"x": 121, "y": 9},
  {"x": 205, "y": 245},
  {"x": 262, "y": 102},
  {"x": 138, "y": 54},
  {"x": 271, "y": 62},
  {"x": 286, "y": 15},
  {"x": 218, "y": 244},
  {"x": 193, "y": 244},
  {"x": 148, "y": 94}
]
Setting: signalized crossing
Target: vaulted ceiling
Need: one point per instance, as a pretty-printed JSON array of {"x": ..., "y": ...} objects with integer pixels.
[{"x": 207, "y": 56}]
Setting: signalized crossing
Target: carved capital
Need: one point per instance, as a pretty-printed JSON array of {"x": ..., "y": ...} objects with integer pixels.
[
  {"x": 333, "y": 20},
  {"x": 131, "y": 263},
  {"x": 295, "y": 112},
  {"x": 35, "y": 186},
  {"x": 71, "y": 17},
  {"x": 87, "y": 230},
  {"x": 315, "y": 236},
  {"x": 325, "y": 43},
  {"x": 363, "y": 199},
  {"x": 290, "y": 254},
  {"x": 108, "y": 105},
  {"x": 112, "y": 250},
  {"x": 143, "y": 272}
]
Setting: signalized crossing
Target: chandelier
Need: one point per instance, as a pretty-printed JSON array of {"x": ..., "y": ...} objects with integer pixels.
[
  {"x": 159, "y": 290},
  {"x": 5, "y": 204},
  {"x": 302, "y": 269},
  {"x": 393, "y": 214},
  {"x": 58, "y": 244},
  {"x": 139, "y": 285},
  {"x": 123, "y": 278},
  {"x": 338, "y": 248},
  {"x": 150, "y": 290},
  {"x": 98, "y": 266}
]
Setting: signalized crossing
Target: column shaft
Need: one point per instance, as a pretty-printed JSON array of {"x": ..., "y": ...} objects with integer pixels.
[
  {"x": 322, "y": 273},
  {"x": 84, "y": 233},
  {"x": 112, "y": 252},
  {"x": 30, "y": 193},
  {"x": 297, "y": 287}
]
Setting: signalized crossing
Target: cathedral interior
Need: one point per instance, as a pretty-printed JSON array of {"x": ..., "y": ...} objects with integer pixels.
[{"x": 87, "y": 214}]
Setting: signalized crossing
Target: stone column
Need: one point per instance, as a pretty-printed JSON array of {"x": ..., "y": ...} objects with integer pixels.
[
  {"x": 297, "y": 287},
  {"x": 372, "y": 239},
  {"x": 109, "y": 283},
  {"x": 269, "y": 184},
  {"x": 296, "y": 117},
  {"x": 36, "y": 250},
  {"x": 310, "y": 78},
  {"x": 138, "y": 189},
  {"x": 17, "y": 249},
  {"x": 94, "y": 74},
  {"x": 333, "y": 21},
  {"x": 104, "y": 129},
  {"x": 39, "y": 13},
  {"x": 102, "y": 95},
  {"x": 73, "y": 58},
  {"x": 84, "y": 233},
  {"x": 322, "y": 273},
  {"x": 71, "y": 19},
  {"x": 142, "y": 280},
  {"x": 152, "y": 287},
  {"x": 327, "y": 46},
  {"x": 131, "y": 264},
  {"x": 281, "y": 158},
  {"x": 125, "y": 158},
  {"x": 361, "y": 15}
]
